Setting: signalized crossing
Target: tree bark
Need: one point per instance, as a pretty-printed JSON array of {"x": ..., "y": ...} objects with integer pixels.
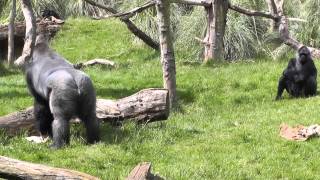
[
  {"x": 217, "y": 19},
  {"x": 146, "y": 106},
  {"x": 30, "y": 37},
  {"x": 273, "y": 11},
  {"x": 16, "y": 169},
  {"x": 166, "y": 48},
  {"x": 11, "y": 34}
]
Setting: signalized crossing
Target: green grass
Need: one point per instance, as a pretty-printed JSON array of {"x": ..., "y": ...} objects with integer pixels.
[{"x": 226, "y": 126}]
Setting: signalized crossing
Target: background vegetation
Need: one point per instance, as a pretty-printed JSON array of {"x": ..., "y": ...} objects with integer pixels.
[
  {"x": 246, "y": 37},
  {"x": 226, "y": 125}
]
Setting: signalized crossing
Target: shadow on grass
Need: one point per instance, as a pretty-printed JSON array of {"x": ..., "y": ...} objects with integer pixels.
[
  {"x": 184, "y": 97},
  {"x": 116, "y": 93},
  {"x": 138, "y": 54},
  {"x": 13, "y": 94},
  {"x": 114, "y": 135},
  {"x": 117, "y": 135},
  {"x": 12, "y": 85},
  {"x": 5, "y": 71}
]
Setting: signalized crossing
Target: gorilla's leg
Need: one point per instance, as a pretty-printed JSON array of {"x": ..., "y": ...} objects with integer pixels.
[
  {"x": 92, "y": 125},
  {"x": 310, "y": 88},
  {"x": 63, "y": 107},
  {"x": 43, "y": 117},
  {"x": 61, "y": 132},
  {"x": 87, "y": 111}
]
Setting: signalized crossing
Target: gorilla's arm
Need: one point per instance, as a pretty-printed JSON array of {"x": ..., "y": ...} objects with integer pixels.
[
  {"x": 288, "y": 75},
  {"x": 291, "y": 68},
  {"x": 32, "y": 89},
  {"x": 281, "y": 87}
]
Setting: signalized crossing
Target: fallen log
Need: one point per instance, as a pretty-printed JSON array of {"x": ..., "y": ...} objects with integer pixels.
[
  {"x": 52, "y": 27},
  {"x": 143, "y": 172},
  {"x": 16, "y": 169},
  {"x": 19, "y": 35},
  {"x": 145, "y": 106}
]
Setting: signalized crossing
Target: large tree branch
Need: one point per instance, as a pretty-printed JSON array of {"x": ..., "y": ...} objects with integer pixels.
[
  {"x": 30, "y": 37},
  {"x": 130, "y": 25},
  {"x": 252, "y": 12},
  {"x": 284, "y": 31}
]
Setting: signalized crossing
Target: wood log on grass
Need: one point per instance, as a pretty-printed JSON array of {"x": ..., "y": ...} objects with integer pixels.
[
  {"x": 143, "y": 172},
  {"x": 16, "y": 169},
  {"x": 145, "y": 106}
]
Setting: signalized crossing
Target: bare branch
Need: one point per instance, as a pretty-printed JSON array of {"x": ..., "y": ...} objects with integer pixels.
[
  {"x": 130, "y": 25},
  {"x": 285, "y": 34},
  {"x": 11, "y": 33},
  {"x": 109, "y": 9},
  {"x": 297, "y": 20},
  {"x": 201, "y": 41},
  {"x": 205, "y": 3},
  {"x": 134, "y": 11},
  {"x": 252, "y": 12},
  {"x": 30, "y": 37}
]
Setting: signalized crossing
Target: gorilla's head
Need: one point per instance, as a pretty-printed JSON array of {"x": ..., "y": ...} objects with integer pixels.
[{"x": 304, "y": 54}]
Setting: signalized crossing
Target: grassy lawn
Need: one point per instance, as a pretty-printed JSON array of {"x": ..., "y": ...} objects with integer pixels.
[{"x": 226, "y": 126}]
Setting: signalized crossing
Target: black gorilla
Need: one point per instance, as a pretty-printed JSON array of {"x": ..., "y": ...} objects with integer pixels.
[
  {"x": 47, "y": 13},
  {"x": 300, "y": 77},
  {"x": 60, "y": 93}
]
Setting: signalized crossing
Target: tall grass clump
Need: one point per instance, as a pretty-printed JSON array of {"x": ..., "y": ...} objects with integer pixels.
[{"x": 309, "y": 32}]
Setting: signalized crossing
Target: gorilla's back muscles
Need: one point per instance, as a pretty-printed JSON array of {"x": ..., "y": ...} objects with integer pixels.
[{"x": 60, "y": 93}]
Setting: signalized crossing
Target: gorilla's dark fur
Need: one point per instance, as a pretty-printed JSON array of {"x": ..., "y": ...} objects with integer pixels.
[
  {"x": 300, "y": 77},
  {"x": 60, "y": 93},
  {"x": 47, "y": 13}
]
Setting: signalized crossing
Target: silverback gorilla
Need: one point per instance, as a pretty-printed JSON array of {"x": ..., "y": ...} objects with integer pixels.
[
  {"x": 300, "y": 77},
  {"x": 60, "y": 93}
]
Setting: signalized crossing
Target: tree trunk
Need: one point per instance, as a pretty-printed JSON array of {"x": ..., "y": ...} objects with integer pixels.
[
  {"x": 274, "y": 25},
  {"x": 15, "y": 169},
  {"x": 166, "y": 48},
  {"x": 30, "y": 37},
  {"x": 217, "y": 19},
  {"x": 147, "y": 105},
  {"x": 11, "y": 34}
]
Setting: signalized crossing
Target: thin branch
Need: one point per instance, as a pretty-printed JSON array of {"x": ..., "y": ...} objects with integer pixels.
[
  {"x": 297, "y": 20},
  {"x": 134, "y": 11},
  {"x": 205, "y": 3},
  {"x": 130, "y": 25},
  {"x": 252, "y": 12},
  {"x": 11, "y": 34},
  {"x": 109, "y": 9},
  {"x": 201, "y": 41}
]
